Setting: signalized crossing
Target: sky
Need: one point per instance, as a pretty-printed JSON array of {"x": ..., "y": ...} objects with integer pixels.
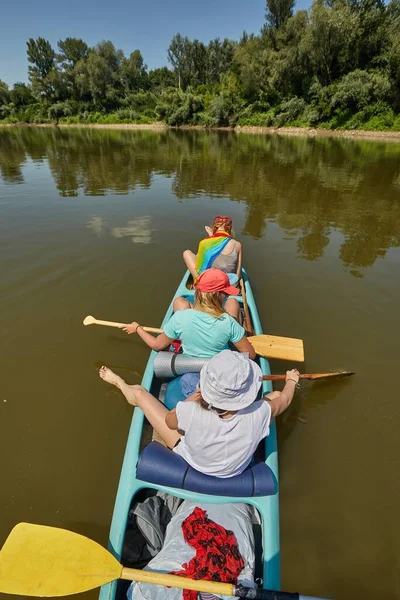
[{"x": 145, "y": 24}]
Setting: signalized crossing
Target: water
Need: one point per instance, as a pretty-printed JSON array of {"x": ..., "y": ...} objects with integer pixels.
[{"x": 95, "y": 221}]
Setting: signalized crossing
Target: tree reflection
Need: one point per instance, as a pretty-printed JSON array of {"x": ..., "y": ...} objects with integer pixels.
[{"x": 309, "y": 187}]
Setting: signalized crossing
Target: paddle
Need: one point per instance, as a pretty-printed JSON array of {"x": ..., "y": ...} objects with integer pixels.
[
  {"x": 274, "y": 346},
  {"x": 37, "y": 560},
  {"x": 310, "y": 376},
  {"x": 89, "y": 320},
  {"x": 270, "y": 346},
  {"x": 247, "y": 320}
]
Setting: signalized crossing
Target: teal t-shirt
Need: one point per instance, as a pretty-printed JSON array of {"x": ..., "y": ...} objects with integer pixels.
[{"x": 201, "y": 334}]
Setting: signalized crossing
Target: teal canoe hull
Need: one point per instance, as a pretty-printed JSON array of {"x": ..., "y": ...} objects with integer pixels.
[{"x": 267, "y": 506}]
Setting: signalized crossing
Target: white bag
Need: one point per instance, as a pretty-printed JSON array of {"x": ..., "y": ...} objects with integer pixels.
[{"x": 175, "y": 551}]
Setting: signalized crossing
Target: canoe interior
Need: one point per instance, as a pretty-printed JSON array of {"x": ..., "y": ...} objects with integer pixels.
[
  {"x": 131, "y": 490},
  {"x": 122, "y": 586}
]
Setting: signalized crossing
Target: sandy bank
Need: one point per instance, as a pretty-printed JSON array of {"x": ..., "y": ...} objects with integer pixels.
[
  {"x": 286, "y": 131},
  {"x": 323, "y": 133}
]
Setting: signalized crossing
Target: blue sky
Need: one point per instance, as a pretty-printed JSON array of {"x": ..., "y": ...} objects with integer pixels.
[{"x": 145, "y": 24}]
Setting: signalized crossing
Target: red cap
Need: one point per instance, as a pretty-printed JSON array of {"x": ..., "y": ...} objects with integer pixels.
[{"x": 215, "y": 280}]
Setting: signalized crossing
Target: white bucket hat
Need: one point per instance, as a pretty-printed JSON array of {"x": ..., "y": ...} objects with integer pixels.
[{"x": 230, "y": 381}]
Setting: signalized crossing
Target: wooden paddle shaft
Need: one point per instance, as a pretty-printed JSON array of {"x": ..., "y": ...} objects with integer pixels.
[
  {"x": 270, "y": 346},
  {"x": 307, "y": 376},
  {"x": 247, "y": 319},
  {"x": 119, "y": 325},
  {"x": 200, "y": 585}
]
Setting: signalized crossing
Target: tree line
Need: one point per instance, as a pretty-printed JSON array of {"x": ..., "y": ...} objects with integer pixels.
[{"x": 335, "y": 65}]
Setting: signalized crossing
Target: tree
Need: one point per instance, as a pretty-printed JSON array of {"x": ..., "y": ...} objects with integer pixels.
[
  {"x": 372, "y": 36},
  {"x": 198, "y": 63},
  {"x": 176, "y": 55},
  {"x": 21, "y": 95},
  {"x": 290, "y": 69},
  {"x": 99, "y": 76},
  {"x": 71, "y": 51},
  {"x": 360, "y": 89},
  {"x": 42, "y": 56},
  {"x": 392, "y": 55},
  {"x": 330, "y": 40},
  {"x": 220, "y": 57},
  {"x": 58, "y": 110},
  {"x": 4, "y": 93},
  {"x": 252, "y": 65},
  {"x": 161, "y": 78},
  {"x": 133, "y": 72},
  {"x": 112, "y": 57},
  {"x": 278, "y": 12}
]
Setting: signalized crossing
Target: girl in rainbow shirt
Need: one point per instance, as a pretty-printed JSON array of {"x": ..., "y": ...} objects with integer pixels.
[{"x": 219, "y": 251}]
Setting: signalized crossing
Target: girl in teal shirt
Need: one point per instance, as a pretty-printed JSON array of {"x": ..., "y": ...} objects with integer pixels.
[{"x": 207, "y": 328}]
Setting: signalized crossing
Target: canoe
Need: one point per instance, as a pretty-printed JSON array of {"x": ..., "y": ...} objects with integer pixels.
[{"x": 130, "y": 485}]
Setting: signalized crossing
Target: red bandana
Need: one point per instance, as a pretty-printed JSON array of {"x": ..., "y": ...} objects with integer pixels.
[{"x": 217, "y": 554}]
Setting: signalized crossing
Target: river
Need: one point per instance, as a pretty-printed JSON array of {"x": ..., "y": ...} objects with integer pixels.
[{"x": 95, "y": 222}]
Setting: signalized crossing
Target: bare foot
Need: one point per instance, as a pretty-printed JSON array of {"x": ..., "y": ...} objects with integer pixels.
[
  {"x": 109, "y": 376},
  {"x": 129, "y": 391}
]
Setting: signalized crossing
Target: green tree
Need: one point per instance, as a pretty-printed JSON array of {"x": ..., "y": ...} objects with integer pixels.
[
  {"x": 289, "y": 62},
  {"x": 252, "y": 65},
  {"x": 330, "y": 40},
  {"x": 71, "y": 51},
  {"x": 58, "y": 110},
  {"x": 198, "y": 63},
  {"x": 99, "y": 76},
  {"x": 278, "y": 12},
  {"x": 391, "y": 54},
  {"x": 4, "y": 93},
  {"x": 42, "y": 58},
  {"x": 21, "y": 95},
  {"x": 134, "y": 72},
  {"x": 372, "y": 34},
  {"x": 359, "y": 89},
  {"x": 220, "y": 56},
  {"x": 161, "y": 78},
  {"x": 177, "y": 56}
]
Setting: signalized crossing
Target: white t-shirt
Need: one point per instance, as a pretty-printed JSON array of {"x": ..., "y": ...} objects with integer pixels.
[{"x": 221, "y": 447}]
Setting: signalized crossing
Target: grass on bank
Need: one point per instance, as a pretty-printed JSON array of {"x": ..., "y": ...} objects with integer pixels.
[{"x": 188, "y": 109}]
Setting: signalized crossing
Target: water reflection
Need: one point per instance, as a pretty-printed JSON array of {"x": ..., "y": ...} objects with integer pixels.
[
  {"x": 310, "y": 187},
  {"x": 139, "y": 229},
  {"x": 97, "y": 225}
]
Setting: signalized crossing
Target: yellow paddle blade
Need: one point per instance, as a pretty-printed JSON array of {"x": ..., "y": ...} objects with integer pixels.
[
  {"x": 46, "y": 561},
  {"x": 274, "y": 346}
]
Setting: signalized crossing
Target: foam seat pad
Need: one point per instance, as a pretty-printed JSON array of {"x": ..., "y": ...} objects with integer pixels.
[{"x": 159, "y": 465}]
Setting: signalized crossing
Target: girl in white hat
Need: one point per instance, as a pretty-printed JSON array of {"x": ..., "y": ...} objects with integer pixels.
[{"x": 218, "y": 428}]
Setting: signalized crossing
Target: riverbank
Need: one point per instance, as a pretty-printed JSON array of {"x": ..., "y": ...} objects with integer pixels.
[
  {"x": 155, "y": 126},
  {"x": 311, "y": 132}
]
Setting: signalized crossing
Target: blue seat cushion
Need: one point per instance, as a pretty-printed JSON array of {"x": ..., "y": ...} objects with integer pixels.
[
  {"x": 174, "y": 393},
  {"x": 157, "y": 464},
  {"x": 180, "y": 388}
]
